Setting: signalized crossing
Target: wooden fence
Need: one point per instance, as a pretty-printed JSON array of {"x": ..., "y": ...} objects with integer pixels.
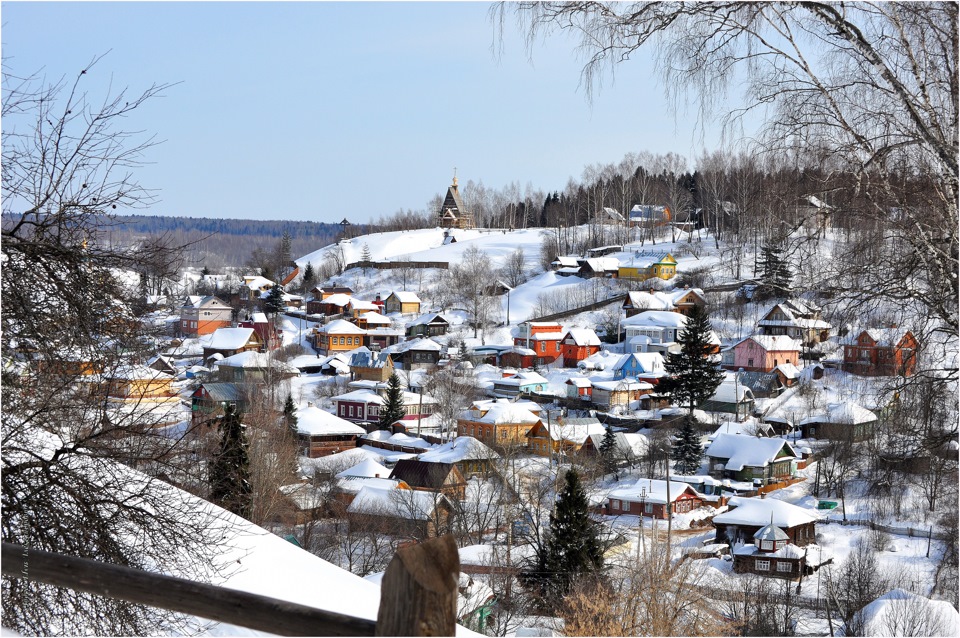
[
  {"x": 418, "y": 594},
  {"x": 398, "y": 265}
]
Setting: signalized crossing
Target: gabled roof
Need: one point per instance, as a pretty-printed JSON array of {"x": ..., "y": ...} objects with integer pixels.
[
  {"x": 657, "y": 318},
  {"x": 428, "y": 318},
  {"x": 504, "y": 412},
  {"x": 222, "y": 391},
  {"x": 341, "y": 327},
  {"x": 462, "y": 448},
  {"x": 651, "y": 491},
  {"x": 256, "y": 361},
  {"x": 137, "y": 373},
  {"x": 602, "y": 264},
  {"x": 730, "y": 391},
  {"x": 747, "y": 451},
  {"x": 576, "y": 431},
  {"x": 196, "y": 301},
  {"x": 363, "y": 358},
  {"x": 771, "y": 533},
  {"x": 230, "y": 338},
  {"x": 773, "y": 343},
  {"x": 756, "y": 512},
  {"x": 650, "y": 363},
  {"x": 887, "y": 336},
  {"x": 842, "y": 413},
  {"x": 583, "y": 336},
  {"x": 338, "y": 299},
  {"x": 367, "y": 468},
  {"x": 626, "y": 384},
  {"x": 316, "y": 422},
  {"x": 396, "y": 503},
  {"x": 418, "y": 473},
  {"x": 565, "y": 261},
  {"x": 375, "y": 318},
  {"x": 405, "y": 296}
]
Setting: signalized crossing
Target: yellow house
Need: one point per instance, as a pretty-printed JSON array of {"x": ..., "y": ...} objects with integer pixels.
[
  {"x": 138, "y": 383},
  {"x": 338, "y": 336},
  {"x": 662, "y": 266}
]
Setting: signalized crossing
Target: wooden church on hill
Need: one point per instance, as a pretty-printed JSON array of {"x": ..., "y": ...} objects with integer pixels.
[{"x": 452, "y": 213}]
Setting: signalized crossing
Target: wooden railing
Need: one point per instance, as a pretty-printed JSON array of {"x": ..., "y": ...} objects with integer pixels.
[{"x": 418, "y": 593}]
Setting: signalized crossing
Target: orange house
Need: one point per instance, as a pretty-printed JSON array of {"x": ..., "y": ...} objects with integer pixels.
[
  {"x": 338, "y": 336},
  {"x": 543, "y": 338},
  {"x": 881, "y": 352},
  {"x": 203, "y": 315},
  {"x": 577, "y": 345}
]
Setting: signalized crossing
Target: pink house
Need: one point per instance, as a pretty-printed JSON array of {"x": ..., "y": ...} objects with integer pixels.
[{"x": 761, "y": 353}]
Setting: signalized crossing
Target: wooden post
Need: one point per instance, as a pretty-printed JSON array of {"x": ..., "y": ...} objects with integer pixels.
[{"x": 418, "y": 594}]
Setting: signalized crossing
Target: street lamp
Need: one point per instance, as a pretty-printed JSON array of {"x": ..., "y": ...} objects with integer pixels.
[{"x": 643, "y": 502}]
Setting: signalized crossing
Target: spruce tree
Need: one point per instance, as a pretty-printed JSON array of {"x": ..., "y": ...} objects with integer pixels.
[
  {"x": 687, "y": 448},
  {"x": 230, "y": 469},
  {"x": 608, "y": 452},
  {"x": 573, "y": 544},
  {"x": 775, "y": 275},
  {"x": 309, "y": 278},
  {"x": 694, "y": 377},
  {"x": 393, "y": 410},
  {"x": 290, "y": 416},
  {"x": 273, "y": 304}
]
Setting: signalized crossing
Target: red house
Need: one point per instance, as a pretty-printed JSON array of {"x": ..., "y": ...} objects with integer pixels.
[
  {"x": 270, "y": 335},
  {"x": 648, "y": 497},
  {"x": 881, "y": 352},
  {"x": 577, "y": 345},
  {"x": 543, "y": 338}
]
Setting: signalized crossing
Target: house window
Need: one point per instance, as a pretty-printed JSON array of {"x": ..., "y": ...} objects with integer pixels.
[
  {"x": 543, "y": 346},
  {"x": 784, "y": 566},
  {"x": 766, "y": 545},
  {"x": 763, "y": 565},
  {"x": 615, "y": 504},
  {"x": 626, "y": 506},
  {"x": 343, "y": 410},
  {"x": 750, "y": 363},
  {"x": 351, "y": 410},
  {"x": 648, "y": 508}
]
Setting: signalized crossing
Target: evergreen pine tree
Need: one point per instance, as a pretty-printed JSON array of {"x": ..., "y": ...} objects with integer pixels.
[
  {"x": 693, "y": 376},
  {"x": 775, "y": 275},
  {"x": 608, "y": 452},
  {"x": 290, "y": 416},
  {"x": 309, "y": 278},
  {"x": 572, "y": 545},
  {"x": 230, "y": 469},
  {"x": 393, "y": 411},
  {"x": 273, "y": 304},
  {"x": 687, "y": 448}
]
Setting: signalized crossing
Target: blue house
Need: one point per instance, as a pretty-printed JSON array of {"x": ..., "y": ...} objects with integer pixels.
[{"x": 646, "y": 366}]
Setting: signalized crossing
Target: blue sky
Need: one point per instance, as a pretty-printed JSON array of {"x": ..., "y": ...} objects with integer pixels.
[{"x": 319, "y": 111}]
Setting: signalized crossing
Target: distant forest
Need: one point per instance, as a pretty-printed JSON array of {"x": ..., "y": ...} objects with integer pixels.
[{"x": 218, "y": 243}]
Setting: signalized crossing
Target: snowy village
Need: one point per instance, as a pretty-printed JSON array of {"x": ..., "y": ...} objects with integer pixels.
[{"x": 715, "y": 399}]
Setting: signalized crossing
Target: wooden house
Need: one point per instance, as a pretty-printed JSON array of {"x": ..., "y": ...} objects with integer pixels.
[
  {"x": 747, "y": 516},
  {"x": 400, "y": 512},
  {"x": 648, "y": 497},
  {"x": 402, "y": 302},
  {"x": 363, "y": 406},
  {"x": 211, "y": 398},
  {"x": 659, "y": 325},
  {"x": 382, "y": 338},
  {"x": 647, "y": 367},
  {"x": 134, "y": 383},
  {"x": 269, "y": 333},
  {"x": 257, "y": 367},
  {"x": 542, "y": 337},
  {"x": 577, "y": 345},
  {"x": 321, "y": 433},
  {"x": 336, "y": 305},
  {"x": 579, "y": 388},
  {"x": 468, "y": 454},
  {"x": 644, "y": 266},
  {"x": 337, "y": 336},
  {"x": 417, "y": 354},
  {"x": 795, "y": 319},
  {"x": 203, "y": 315},
  {"x": 428, "y": 325},
  {"x": 499, "y": 423},
  {"x": 746, "y": 458},
  {"x": 681, "y": 301},
  {"x": 432, "y": 477},
  {"x": 227, "y": 342},
  {"x": 770, "y": 554},
  {"x": 620, "y": 392},
  {"x": 372, "y": 320},
  {"x": 524, "y": 382},
  {"x": 591, "y": 267},
  {"x": 731, "y": 397},
  {"x": 370, "y": 366},
  {"x": 761, "y": 353},
  {"x": 881, "y": 352},
  {"x": 648, "y": 215},
  {"x": 566, "y": 436},
  {"x": 843, "y": 421},
  {"x": 518, "y": 357}
]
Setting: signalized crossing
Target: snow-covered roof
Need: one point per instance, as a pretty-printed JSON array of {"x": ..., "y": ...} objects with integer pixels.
[
  {"x": 771, "y": 343},
  {"x": 341, "y": 327},
  {"x": 137, "y": 372},
  {"x": 651, "y": 491},
  {"x": 650, "y": 363},
  {"x": 576, "y": 431},
  {"x": 786, "y": 551},
  {"x": 426, "y": 318},
  {"x": 314, "y": 421},
  {"x": 401, "y": 503},
  {"x": 404, "y": 296},
  {"x": 656, "y": 318},
  {"x": 732, "y": 392},
  {"x": 230, "y": 338},
  {"x": 747, "y": 428},
  {"x": 359, "y": 304},
  {"x": 757, "y": 512},
  {"x": 843, "y": 413},
  {"x": 902, "y": 613},
  {"x": 579, "y": 382},
  {"x": 375, "y": 318},
  {"x": 887, "y": 336},
  {"x": 256, "y": 282},
  {"x": 622, "y": 385},
  {"x": 338, "y": 299},
  {"x": 367, "y": 468},
  {"x": 503, "y": 412},
  {"x": 522, "y": 378},
  {"x": 771, "y": 533},
  {"x": 654, "y": 301},
  {"x": 789, "y": 370},
  {"x": 460, "y": 449},
  {"x": 361, "y": 396},
  {"x": 603, "y": 264},
  {"x": 255, "y": 360},
  {"x": 566, "y": 261},
  {"x": 747, "y": 451},
  {"x": 583, "y": 336}
]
